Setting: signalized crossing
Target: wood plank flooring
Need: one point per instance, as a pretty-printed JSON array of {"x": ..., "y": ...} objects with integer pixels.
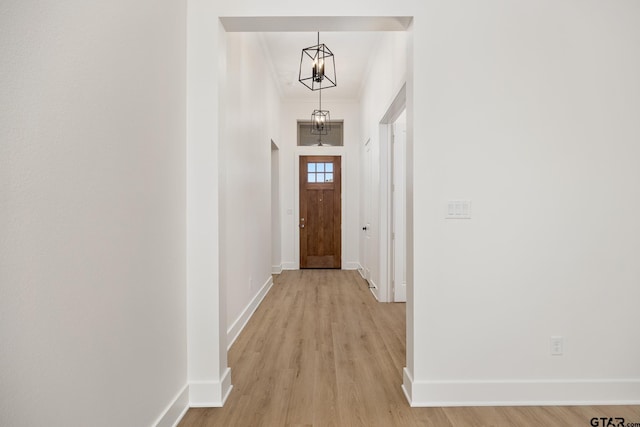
[{"x": 320, "y": 351}]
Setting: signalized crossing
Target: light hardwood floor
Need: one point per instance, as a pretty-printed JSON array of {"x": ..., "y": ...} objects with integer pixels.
[{"x": 320, "y": 351}]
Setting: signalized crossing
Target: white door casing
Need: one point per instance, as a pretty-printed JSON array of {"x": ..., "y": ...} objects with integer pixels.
[{"x": 399, "y": 274}]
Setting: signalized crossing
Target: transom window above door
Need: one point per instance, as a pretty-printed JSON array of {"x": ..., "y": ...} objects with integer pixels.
[
  {"x": 333, "y": 138},
  {"x": 319, "y": 172}
]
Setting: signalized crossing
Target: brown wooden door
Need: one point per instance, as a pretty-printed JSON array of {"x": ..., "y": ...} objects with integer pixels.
[{"x": 320, "y": 212}]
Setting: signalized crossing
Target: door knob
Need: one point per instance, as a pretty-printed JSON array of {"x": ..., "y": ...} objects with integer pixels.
[{"x": 364, "y": 228}]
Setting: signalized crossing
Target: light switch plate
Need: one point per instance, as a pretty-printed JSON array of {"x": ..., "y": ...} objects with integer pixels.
[{"x": 458, "y": 209}]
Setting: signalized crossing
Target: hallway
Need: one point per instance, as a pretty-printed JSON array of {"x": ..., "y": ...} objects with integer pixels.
[{"x": 320, "y": 351}]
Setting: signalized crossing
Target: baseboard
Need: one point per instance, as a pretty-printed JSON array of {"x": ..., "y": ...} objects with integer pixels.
[
  {"x": 407, "y": 384},
  {"x": 521, "y": 393},
  {"x": 210, "y": 394},
  {"x": 226, "y": 386},
  {"x": 353, "y": 265},
  {"x": 401, "y": 293},
  {"x": 289, "y": 266},
  {"x": 243, "y": 319},
  {"x": 374, "y": 289},
  {"x": 176, "y": 409}
]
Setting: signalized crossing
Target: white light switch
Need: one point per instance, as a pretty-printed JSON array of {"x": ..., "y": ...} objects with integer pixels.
[{"x": 458, "y": 209}]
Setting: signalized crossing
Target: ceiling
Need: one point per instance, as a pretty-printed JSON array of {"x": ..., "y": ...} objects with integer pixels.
[
  {"x": 353, "y": 52},
  {"x": 352, "y": 39}
]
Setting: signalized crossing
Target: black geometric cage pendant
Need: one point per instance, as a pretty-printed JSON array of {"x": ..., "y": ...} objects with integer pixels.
[
  {"x": 320, "y": 119},
  {"x": 320, "y": 122},
  {"x": 317, "y": 67}
]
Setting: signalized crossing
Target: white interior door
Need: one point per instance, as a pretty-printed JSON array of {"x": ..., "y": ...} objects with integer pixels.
[
  {"x": 368, "y": 212},
  {"x": 399, "y": 210},
  {"x": 276, "y": 247}
]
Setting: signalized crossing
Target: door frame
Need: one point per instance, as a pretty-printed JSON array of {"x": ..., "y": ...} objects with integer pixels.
[
  {"x": 276, "y": 218},
  {"x": 398, "y": 245},
  {"x": 366, "y": 214},
  {"x": 319, "y": 151},
  {"x": 397, "y": 106}
]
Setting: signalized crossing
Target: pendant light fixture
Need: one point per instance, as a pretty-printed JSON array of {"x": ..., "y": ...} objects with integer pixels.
[
  {"x": 320, "y": 119},
  {"x": 317, "y": 67}
]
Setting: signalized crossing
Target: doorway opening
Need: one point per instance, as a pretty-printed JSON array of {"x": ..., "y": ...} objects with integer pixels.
[
  {"x": 390, "y": 203},
  {"x": 209, "y": 375}
]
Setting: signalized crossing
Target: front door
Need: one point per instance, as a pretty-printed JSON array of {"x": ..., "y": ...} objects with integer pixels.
[{"x": 320, "y": 212}]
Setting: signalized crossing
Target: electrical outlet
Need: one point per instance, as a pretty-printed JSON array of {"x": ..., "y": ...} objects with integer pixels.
[{"x": 557, "y": 346}]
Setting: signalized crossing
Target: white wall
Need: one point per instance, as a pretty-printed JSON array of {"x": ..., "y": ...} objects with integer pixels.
[
  {"x": 292, "y": 111},
  {"x": 207, "y": 371},
  {"x": 251, "y": 122},
  {"x": 92, "y": 212},
  {"x": 531, "y": 111}
]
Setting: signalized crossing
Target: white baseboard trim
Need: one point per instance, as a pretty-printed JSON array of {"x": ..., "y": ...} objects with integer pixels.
[
  {"x": 400, "y": 293},
  {"x": 289, "y": 266},
  {"x": 243, "y": 319},
  {"x": 407, "y": 383},
  {"x": 353, "y": 265},
  {"x": 172, "y": 415},
  {"x": 521, "y": 393},
  {"x": 374, "y": 289},
  {"x": 210, "y": 394}
]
